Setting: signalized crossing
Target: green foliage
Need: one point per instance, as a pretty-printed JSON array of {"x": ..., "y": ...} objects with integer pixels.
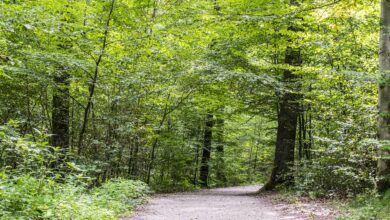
[
  {"x": 368, "y": 206},
  {"x": 30, "y": 154},
  {"x": 34, "y": 186},
  {"x": 26, "y": 197},
  {"x": 127, "y": 192},
  {"x": 165, "y": 66}
]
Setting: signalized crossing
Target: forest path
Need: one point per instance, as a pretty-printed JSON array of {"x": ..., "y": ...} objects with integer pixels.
[{"x": 232, "y": 203}]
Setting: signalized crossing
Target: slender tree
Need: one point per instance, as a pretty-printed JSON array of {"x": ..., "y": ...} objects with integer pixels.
[
  {"x": 206, "y": 153},
  {"x": 95, "y": 76},
  {"x": 384, "y": 98},
  {"x": 220, "y": 151}
]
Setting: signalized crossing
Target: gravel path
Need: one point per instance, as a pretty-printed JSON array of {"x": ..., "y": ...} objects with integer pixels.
[{"x": 233, "y": 203}]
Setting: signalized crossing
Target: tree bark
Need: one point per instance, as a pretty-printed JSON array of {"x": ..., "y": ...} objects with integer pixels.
[
  {"x": 384, "y": 99},
  {"x": 196, "y": 161},
  {"x": 287, "y": 122},
  {"x": 61, "y": 94},
  {"x": 60, "y": 111},
  {"x": 301, "y": 135},
  {"x": 206, "y": 154},
  {"x": 220, "y": 151}
]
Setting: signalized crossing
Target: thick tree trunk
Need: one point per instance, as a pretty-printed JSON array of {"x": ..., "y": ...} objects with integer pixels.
[
  {"x": 60, "y": 111},
  {"x": 204, "y": 167},
  {"x": 384, "y": 98},
  {"x": 287, "y": 124}
]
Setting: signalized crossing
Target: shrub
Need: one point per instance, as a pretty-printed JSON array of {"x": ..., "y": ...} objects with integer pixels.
[
  {"x": 32, "y": 188},
  {"x": 368, "y": 206},
  {"x": 341, "y": 169},
  {"x": 26, "y": 197}
]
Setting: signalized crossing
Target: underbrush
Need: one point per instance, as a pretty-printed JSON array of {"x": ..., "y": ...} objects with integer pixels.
[
  {"x": 345, "y": 174},
  {"x": 34, "y": 185},
  {"x": 171, "y": 187},
  {"x": 339, "y": 171},
  {"x": 368, "y": 206},
  {"x": 26, "y": 197}
]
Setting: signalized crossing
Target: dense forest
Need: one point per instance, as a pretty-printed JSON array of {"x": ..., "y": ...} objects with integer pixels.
[{"x": 100, "y": 98}]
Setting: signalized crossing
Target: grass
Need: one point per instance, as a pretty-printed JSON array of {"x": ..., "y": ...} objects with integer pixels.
[{"x": 369, "y": 206}]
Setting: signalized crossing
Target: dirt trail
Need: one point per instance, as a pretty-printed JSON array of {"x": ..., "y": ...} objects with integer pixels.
[{"x": 233, "y": 203}]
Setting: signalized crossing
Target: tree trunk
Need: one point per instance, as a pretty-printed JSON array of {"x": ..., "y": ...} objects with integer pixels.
[
  {"x": 384, "y": 98},
  {"x": 133, "y": 157},
  {"x": 196, "y": 160},
  {"x": 155, "y": 141},
  {"x": 304, "y": 143},
  {"x": 60, "y": 111},
  {"x": 306, "y": 135},
  {"x": 309, "y": 130},
  {"x": 95, "y": 78},
  {"x": 220, "y": 173},
  {"x": 287, "y": 122},
  {"x": 301, "y": 134},
  {"x": 204, "y": 167},
  {"x": 61, "y": 94}
]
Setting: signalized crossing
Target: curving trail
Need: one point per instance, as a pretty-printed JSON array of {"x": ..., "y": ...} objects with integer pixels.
[{"x": 232, "y": 203}]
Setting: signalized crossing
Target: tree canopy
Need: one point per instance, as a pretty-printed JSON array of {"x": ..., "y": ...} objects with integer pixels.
[{"x": 182, "y": 94}]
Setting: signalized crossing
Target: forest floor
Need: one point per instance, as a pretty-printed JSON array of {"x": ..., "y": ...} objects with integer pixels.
[{"x": 231, "y": 203}]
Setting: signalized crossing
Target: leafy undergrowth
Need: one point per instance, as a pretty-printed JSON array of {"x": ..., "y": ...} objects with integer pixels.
[
  {"x": 171, "y": 187},
  {"x": 26, "y": 197},
  {"x": 368, "y": 206},
  {"x": 36, "y": 183}
]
